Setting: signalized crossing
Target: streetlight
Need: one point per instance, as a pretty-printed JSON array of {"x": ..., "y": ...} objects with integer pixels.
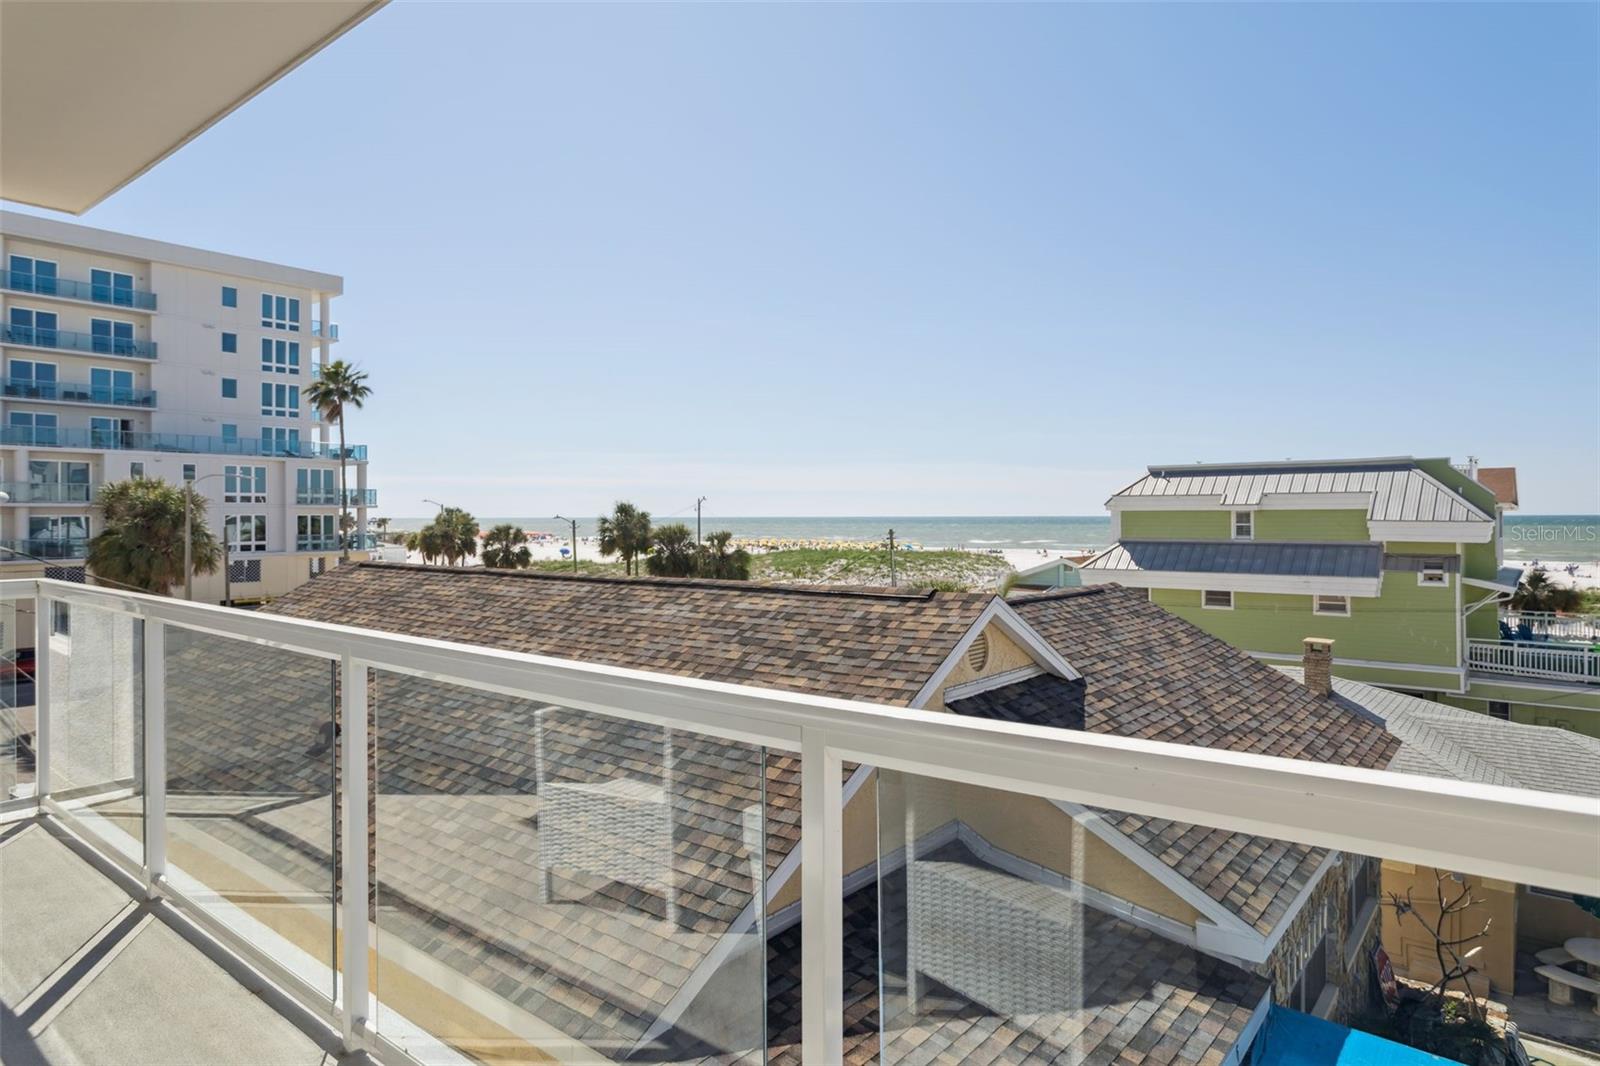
[
  {"x": 188, "y": 543},
  {"x": 574, "y": 522},
  {"x": 436, "y": 503}
]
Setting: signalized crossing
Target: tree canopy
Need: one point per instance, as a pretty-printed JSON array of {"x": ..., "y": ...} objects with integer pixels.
[
  {"x": 506, "y": 547},
  {"x": 140, "y": 542},
  {"x": 451, "y": 536},
  {"x": 625, "y": 532},
  {"x": 1537, "y": 592}
]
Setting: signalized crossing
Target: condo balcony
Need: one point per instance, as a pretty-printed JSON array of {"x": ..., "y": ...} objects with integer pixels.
[
  {"x": 1546, "y": 660},
  {"x": 239, "y": 836},
  {"x": 325, "y": 331},
  {"x": 1550, "y": 625},
  {"x": 36, "y": 548},
  {"x": 67, "y": 340},
  {"x": 100, "y": 292},
  {"x": 97, "y": 439},
  {"x": 25, "y": 492},
  {"x": 353, "y": 498},
  {"x": 78, "y": 392}
]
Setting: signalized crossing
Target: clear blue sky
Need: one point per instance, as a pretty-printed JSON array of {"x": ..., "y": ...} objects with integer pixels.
[{"x": 929, "y": 259}]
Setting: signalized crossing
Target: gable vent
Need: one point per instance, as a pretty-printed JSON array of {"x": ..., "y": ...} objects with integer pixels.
[{"x": 978, "y": 653}]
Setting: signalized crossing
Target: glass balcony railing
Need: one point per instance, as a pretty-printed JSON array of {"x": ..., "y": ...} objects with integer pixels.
[
  {"x": 69, "y": 340},
  {"x": 12, "y": 551},
  {"x": 66, "y": 288},
  {"x": 96, "y": 439},
  {"x": 330, "y": 330},
  {"x": 474, "y": 855},
  {"x": 77, "y": 392},
  {"x": 47, "y": 492},
  {"x": 316, "y": 544},
  {"x": 354, "y": 498}
]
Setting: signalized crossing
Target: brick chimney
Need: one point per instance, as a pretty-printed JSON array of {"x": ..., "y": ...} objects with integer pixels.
[{"x": 1318, "y": 661}]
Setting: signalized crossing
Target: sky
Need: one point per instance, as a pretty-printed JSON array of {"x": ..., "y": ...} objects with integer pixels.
[{"x": 943, "y": 260}]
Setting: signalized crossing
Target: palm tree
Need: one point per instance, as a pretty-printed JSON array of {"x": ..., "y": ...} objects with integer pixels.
[
  {"x": 452, "y": 535},
  {"x": 383, "y": 527},
  {"x": 717, "y": 561},
  {"x": 141, "y": 538},
  {"x": 1537, "y": 592},
  {"x": 506, "y": 547},
  {"x": 338, "y": 386},
  {"x": 674, "y": 554},
  {"x": 626, "y": 533}
]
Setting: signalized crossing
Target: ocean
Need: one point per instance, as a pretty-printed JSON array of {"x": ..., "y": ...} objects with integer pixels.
[{"x": 1553, "y": 538}]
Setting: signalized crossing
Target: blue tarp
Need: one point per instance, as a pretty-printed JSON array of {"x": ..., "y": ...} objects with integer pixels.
[{"x": 1290, "y": 1038}]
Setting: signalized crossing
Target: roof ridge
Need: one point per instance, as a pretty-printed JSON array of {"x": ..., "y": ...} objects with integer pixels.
[
  {"x": 1283, "y": 464},
  {"x": 1263, "y": 543},
  {"x": 866, "y": 592},
  {"x": 1061, "y": 594}
]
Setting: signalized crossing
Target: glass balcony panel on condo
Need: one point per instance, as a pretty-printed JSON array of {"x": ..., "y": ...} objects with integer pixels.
[
  {"x": 102, "y": 392},
  {"x": 135, "y": 440},
  {"x": 104, "y": 287},
  {"x": 328, "y": 332},
  {"x": 323, "y": 497},
  {"x": 103, "y": 342},
  {"x": 52, "y": 548}
]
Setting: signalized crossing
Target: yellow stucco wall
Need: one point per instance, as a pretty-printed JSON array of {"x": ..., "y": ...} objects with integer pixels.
[
  {"x": 1546, "y": 922},
  {"x": 1411, "y": 947}
]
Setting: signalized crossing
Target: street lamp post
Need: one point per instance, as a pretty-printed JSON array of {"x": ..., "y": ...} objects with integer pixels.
[
  {"x": 574, "y": 522},
  {"x": 436, "y": 503},
  {"x": 188, "y": 543}
]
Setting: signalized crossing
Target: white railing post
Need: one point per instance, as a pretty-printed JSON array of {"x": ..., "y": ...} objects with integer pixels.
[
  {"x": 42, "y": 740},
  {"x": 155, "y": 754},
  {"x": 821, "y": 901},
  {"x": 352, "y": 780}
]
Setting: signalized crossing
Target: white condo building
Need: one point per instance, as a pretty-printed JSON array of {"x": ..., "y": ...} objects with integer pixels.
[{"x": 127, "y": 357}]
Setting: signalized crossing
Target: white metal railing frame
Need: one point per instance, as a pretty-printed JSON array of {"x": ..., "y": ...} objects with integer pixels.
[
  {"x": 1549, "y": 660},
  {"x": 1513, "y": 834},
  {"x": 1557, "y": 626}
]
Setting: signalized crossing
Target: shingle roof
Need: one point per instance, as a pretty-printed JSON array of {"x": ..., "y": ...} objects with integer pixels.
[
  {"x": 857, "y": 643},
  {"x": 1438, "y": 740},
  {"x": 1243, "y": 557},
  {"x": 1500, "y": 480},
  {"x": 1400, "y": 490}
]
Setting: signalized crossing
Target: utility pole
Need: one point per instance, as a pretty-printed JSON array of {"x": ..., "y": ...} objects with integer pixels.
[
  {"x": 574, "y": 522},
  {"x": 892, "y": 581},
  {"x": 188, "y": 541},
  {"x": 697, "y": 504}
]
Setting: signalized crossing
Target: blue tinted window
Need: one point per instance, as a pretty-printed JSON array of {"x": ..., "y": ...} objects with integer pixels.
[
  {"x": 230, "y": 431},
  {"x": 230, "y": 388},
  {"x": 230, "y": 342},
  {"x": 230, "y": 296}
]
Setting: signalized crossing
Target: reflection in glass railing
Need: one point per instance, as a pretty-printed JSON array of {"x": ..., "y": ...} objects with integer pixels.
[
  {"x": 558, "y": 883},
  {"x": 251, "y": 752},
  {"x": 96, "y": 705},
  {"x": 19, "y": 733}
]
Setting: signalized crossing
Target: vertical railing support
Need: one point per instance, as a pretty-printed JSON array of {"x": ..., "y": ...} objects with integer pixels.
[
  {"x": 821, "y": 901},
  {"x": 42, "y": 740},
  {"x": 155, "y": 754},
  {"x": 352, "y": 781}
]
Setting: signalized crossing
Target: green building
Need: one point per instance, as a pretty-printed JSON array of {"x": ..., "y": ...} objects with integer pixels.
[{"x": 1398, "y": 561}]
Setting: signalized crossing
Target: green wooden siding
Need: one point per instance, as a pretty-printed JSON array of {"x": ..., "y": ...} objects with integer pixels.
[
  {"x": 1176, "y": 525},
  {"x": 1478, "y": 560},
  {"x": 1579, "y": 719},
  {"x": 1408, "y": 623},
  {"x": 1347, "y": 524}
]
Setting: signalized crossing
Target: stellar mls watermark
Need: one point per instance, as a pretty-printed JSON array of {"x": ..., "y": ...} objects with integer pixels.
[{"x": 1556, "y": 533}]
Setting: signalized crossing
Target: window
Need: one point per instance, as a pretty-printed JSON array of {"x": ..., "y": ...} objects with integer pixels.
[
  {"x": 108, "y": 432},
  {"x": 108, "y": 335},
  {"x": 315, "y": 486},
  {"x": 247, "y": 532},
  {"x": 280, "y": 400},
  {"x": 230, "y": 296},
  {"x": 230, "y": 435},
  {"x": 136, "y": 470},
  {"x": 58, "y": 527},
  {"x": 188, "y": 471},
  {"x": 111, "y": 287},
  {"x": 1334, "y": 605},
  {"x": 280, "y": 312},
  {"x": 1363, "y": 882},
  {"x": 230, "y": 343},
  {"x": 230, "y": 388},
  {"x": 107, "y": 385},
  {"x": 1217, "y": 600},
  {"x": 58, "y": 482},
  {"x": 277, "y": 441},
  {"x": 1244, "y": 525},
  {"x": 314, "y": 532},
  {"x": 31, "y": 379},
  {"x": 281, "y": 357},
  {"x": 28, "y": 326},
  {"x": 32, "y": 275},
  {"x": 31, "y": 427},
  {"x": 244, "y": 484},
  {"x": 1433, "y": 572},
  {"x": 1500, "y": 710}
]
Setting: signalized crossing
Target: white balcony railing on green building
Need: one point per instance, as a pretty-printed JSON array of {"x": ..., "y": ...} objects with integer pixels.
[
  {"x": 1549, "y": 625},
  {"x": 1546, "y": 660},
  {"x": 538, "y": 859}
]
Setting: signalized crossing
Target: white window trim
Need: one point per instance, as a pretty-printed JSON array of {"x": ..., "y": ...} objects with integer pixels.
[
  {"x": 1216, "y": 606},
  {"x": 1233, "y": 527},
  {"x": 236, "y": 523},
  {"x": 1316, "y": 605},
  {"x": 1444, "y": 576}
]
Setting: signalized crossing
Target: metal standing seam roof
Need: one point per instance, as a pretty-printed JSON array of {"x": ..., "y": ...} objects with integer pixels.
[
  {"x": 1400, "y": 491},
  {"x": 1277, "y": 558}
]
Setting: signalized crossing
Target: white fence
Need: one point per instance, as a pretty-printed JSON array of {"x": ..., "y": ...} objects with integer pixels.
[
  {"x": 1581, "y": 628},
  {"x": 1521, "y": 658}
]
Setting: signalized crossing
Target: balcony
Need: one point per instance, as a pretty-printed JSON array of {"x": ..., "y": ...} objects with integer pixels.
[
  {"x": 25, "y": 492},
  {"x": 89, "y": 292},
  {"x": 329, "y": 332},
  {"x": 1545, "y": 660},
  {"x": 1548, "y": 625},
  {"x": 444, "y": 853},
  {"x": 316, "y": 544},
  {"x": 94, "y": 440},
  {"x": 53, "y": 548},
  {"x": 67, "y": 340},
  {"x": 353, "y": 498},
  {"x": 66, "y": 392}
]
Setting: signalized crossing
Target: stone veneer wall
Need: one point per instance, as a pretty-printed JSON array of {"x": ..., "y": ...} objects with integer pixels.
[{"x": 1326, "y": 914}]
